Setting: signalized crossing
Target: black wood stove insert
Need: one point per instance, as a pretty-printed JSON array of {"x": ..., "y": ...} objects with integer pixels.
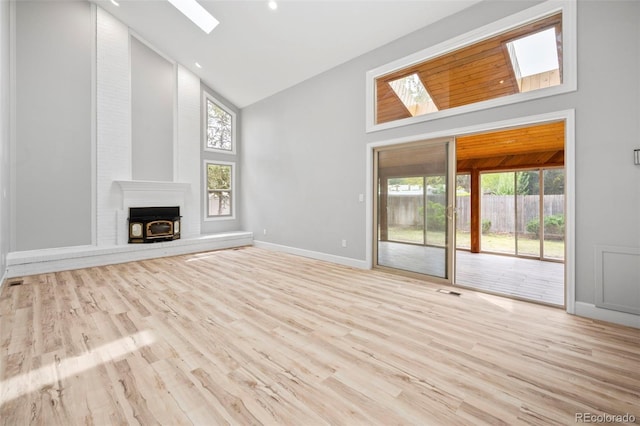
[{"x": 151, "y": 224}]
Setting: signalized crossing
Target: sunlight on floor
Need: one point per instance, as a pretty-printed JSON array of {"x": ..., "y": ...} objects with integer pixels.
[
  {"x": 202, "y": 256},
  {"x": 501, "y": 302},
  {"x": 18, "y": 386}
]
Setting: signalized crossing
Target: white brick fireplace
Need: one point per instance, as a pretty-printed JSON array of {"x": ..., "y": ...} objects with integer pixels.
[
  {"x": 148, "y": 194},
  {"x": 115, "y": 190}
]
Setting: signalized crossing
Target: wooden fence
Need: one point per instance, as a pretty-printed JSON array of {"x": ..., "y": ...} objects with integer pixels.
[{"x": 407, "y": 210}]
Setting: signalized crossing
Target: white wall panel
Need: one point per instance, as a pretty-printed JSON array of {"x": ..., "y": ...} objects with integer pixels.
[{"x": 617, "y": 278}]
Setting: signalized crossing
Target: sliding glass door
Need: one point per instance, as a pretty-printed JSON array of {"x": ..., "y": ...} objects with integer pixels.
[
  {"x": 523, "y": 213},
  {"x": 414, "y": 227}
]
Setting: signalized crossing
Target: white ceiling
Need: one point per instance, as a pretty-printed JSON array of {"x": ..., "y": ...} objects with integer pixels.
[{"x": 255, "y": 52}]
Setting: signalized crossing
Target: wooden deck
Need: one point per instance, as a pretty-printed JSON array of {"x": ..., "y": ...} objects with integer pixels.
[
  {"x": 249, "y": 336},
  {"x": 511, "y": 276},
  {"x": 530, "y": 279}
]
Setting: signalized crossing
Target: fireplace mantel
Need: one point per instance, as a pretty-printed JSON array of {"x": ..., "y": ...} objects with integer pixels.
[
  {"x": 140, "y": 193},
  {"x": 148, "y": 185}
]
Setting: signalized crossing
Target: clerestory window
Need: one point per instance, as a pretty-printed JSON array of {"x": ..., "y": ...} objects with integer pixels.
[{"x": 522, "y": 56}]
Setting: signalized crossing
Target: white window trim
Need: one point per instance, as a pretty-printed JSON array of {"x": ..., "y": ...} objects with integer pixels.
[
  {"x": 208, "y": 96},
  {"x": 234, "y": 195},
  {"x": 569, "y": 63}
]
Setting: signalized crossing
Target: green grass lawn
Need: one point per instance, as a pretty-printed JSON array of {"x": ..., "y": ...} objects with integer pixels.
[{"x": 500, "y": 243}]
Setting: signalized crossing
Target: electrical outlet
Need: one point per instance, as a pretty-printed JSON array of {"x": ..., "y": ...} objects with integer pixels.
[
  {"x": 344, "y": 243},
  {"x": 264, "y": 231}
]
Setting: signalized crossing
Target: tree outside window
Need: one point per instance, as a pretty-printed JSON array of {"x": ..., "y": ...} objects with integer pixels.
[
  {"x": 219, "y": 190},
  {"x": 220, "y": 126}
]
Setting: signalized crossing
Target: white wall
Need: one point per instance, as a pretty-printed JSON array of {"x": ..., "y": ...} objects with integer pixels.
[
  {"x": 608, "y": 117},
  {"x": 52, "y": 169},
  {"x": 304, "y": 148},
  {"x": 188, "y": 149},
  {"x": 153, "y": 82},
  {"x": 4, "y": 134}
]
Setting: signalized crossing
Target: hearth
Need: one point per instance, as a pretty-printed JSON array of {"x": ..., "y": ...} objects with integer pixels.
[{"x": 153, "y": 224}]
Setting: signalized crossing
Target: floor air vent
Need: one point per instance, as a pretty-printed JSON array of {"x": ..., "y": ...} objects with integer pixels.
[{"x": 453, "y": 293}]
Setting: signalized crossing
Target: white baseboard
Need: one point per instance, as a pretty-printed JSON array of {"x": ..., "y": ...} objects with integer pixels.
[
  {"x": 590, "y": 310},
  {"x": 66, "y": 258},
  {"x": 340, "y": 260}
]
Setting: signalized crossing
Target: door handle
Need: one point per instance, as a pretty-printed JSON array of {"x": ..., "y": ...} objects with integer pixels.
[{"x": 451, "y": 212}]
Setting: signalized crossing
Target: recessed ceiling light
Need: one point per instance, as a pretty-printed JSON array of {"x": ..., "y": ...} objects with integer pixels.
[
  {"x": 115, "y": 3},
  {"x": 198, "y": 14},
  {"x": 273, "y": 5},
  {"x": 198, "y": 65}
]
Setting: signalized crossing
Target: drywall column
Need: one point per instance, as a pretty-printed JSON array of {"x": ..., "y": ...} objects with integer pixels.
[
  {"x": 113, "y": 137},
  {"x": 187, "y": 153},
  {"x": 153, "y": 85}
]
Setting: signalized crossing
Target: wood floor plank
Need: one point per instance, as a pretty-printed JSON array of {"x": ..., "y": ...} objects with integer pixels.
[
  {"x": 249, "y": 336},
  {"x": 190, "y": 397}
]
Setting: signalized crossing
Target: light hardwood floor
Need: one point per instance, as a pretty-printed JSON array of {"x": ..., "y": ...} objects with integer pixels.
[{"x": 249, "y": 336}]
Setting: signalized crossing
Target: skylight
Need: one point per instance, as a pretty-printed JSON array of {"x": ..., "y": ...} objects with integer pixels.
[
  {"x": 413, "y": 95},
  {"x": 534, "y": 54},
  {"x": 196, "y": 13}
]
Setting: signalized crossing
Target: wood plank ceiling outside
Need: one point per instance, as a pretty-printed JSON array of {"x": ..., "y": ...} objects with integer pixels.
[
  {"x": 541, "y": 145},
  {"x": 465, "y": 76},
  {"x": 525, "y": 147}
]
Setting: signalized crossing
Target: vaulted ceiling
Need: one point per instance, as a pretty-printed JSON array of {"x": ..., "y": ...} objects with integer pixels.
[{"x": 255, "y": 52}]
